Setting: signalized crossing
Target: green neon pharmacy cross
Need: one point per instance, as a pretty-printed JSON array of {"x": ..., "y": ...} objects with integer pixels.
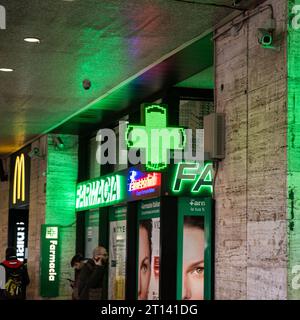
[{"x": 155, "y": 137}]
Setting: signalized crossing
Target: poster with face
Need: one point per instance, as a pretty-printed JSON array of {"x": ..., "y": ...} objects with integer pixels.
[
  {"x": 193, "y": 258},
  {"x": 117, "y": 253},
  {"x": 148, "y": 252},
  {"x": 194, "y": 243}
]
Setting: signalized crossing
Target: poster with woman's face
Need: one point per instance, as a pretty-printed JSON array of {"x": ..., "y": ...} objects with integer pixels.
[
  {"x": 148, "y": 259},
  {"x": 193, "y": 258}
]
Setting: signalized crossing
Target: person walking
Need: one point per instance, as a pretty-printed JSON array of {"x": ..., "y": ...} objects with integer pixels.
[
  {"x": 13, "y": 277},
  {"x": 77, "y": 262},
  {"x": 92, "y": 274}
]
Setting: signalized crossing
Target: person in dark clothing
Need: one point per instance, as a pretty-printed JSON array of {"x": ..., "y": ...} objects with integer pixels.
[
  {"x": 92, "y": 274},
  {"x": 77, "y": 263},
  {"x": 13, "y": 277}
]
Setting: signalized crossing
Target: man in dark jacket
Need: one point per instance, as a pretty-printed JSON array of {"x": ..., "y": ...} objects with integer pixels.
[
  {"x": 92, "y": 274},
  {"x": 77, "y": 263},
  {"x": 13, "y": 277}
]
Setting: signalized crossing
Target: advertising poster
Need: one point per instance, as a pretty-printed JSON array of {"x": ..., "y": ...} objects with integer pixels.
[
  {"x": 117, "y": 253},
  {"x": 194, "y": 243},
  {"x": 148, "y": 250},
  {"x": 91, "y": 232}
]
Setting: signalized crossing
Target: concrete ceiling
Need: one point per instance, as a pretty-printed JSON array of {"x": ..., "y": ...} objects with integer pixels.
[{"x": 108, "y": 42}]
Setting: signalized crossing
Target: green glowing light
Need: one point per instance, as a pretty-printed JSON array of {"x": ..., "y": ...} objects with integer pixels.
[
  {"x": 293, "y": 151},
  {"x": 99, "y": 192},
  {"x": 204, "y": 182},
  {"x": 155, "y": 137},
  {"x": 198, "y": 179}
]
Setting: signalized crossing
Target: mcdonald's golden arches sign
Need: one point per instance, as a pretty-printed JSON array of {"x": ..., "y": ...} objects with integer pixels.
[{"x": 19, "y": 180}]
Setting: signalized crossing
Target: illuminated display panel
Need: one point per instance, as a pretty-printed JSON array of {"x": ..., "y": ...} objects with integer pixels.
[{"x": 141, "y": 185}]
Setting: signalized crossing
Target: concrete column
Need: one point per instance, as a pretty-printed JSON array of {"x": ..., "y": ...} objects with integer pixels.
[
  {"x": 251, "y": 202},
  {"x": 37, "y": 202}
]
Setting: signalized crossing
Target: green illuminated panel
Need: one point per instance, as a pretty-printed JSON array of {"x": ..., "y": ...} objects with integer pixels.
[
  {"x": 155, "y": 137},
  {"x": 293, "y": 151},
  {"x": 99, "y": 192}
]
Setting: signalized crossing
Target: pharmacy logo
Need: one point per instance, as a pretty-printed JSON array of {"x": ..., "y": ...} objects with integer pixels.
[
  {"x": 2, "y": 18},
  {"x": 155, "y": 137},
  {"x": 152, "y": 143},
  {"x": 52, "y": 233}
]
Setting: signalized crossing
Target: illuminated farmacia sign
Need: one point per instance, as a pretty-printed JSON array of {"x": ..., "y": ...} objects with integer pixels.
[
  {"x": 50, "y": 260},
  {"x": 52, "y": 234},
  {"x": 99, "y": 192}
]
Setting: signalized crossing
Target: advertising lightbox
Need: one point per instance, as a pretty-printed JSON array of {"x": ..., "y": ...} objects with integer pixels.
[
  {"x": 148, "y": 264},
  {"x": 194, "y": 248}
]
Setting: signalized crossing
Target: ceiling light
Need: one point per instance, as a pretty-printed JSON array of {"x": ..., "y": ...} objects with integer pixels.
[
  {"x": 32, "y": 40},
  {"x": 6, "y": 69}
]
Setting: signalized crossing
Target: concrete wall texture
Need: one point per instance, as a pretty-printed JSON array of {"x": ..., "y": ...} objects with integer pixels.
[
  {"x": 36, "y": 215},
  {"x": 251, "y": 199},
  {"x": 4, "y": 202}
]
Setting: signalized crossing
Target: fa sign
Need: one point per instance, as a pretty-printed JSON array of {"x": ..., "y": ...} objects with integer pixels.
[
  {"x": 19, "y": 179},
  {"x": 193, "y": 178}
]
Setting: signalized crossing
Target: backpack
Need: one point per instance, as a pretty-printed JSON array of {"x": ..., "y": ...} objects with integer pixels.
[{"x": 13, "y": 284}]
